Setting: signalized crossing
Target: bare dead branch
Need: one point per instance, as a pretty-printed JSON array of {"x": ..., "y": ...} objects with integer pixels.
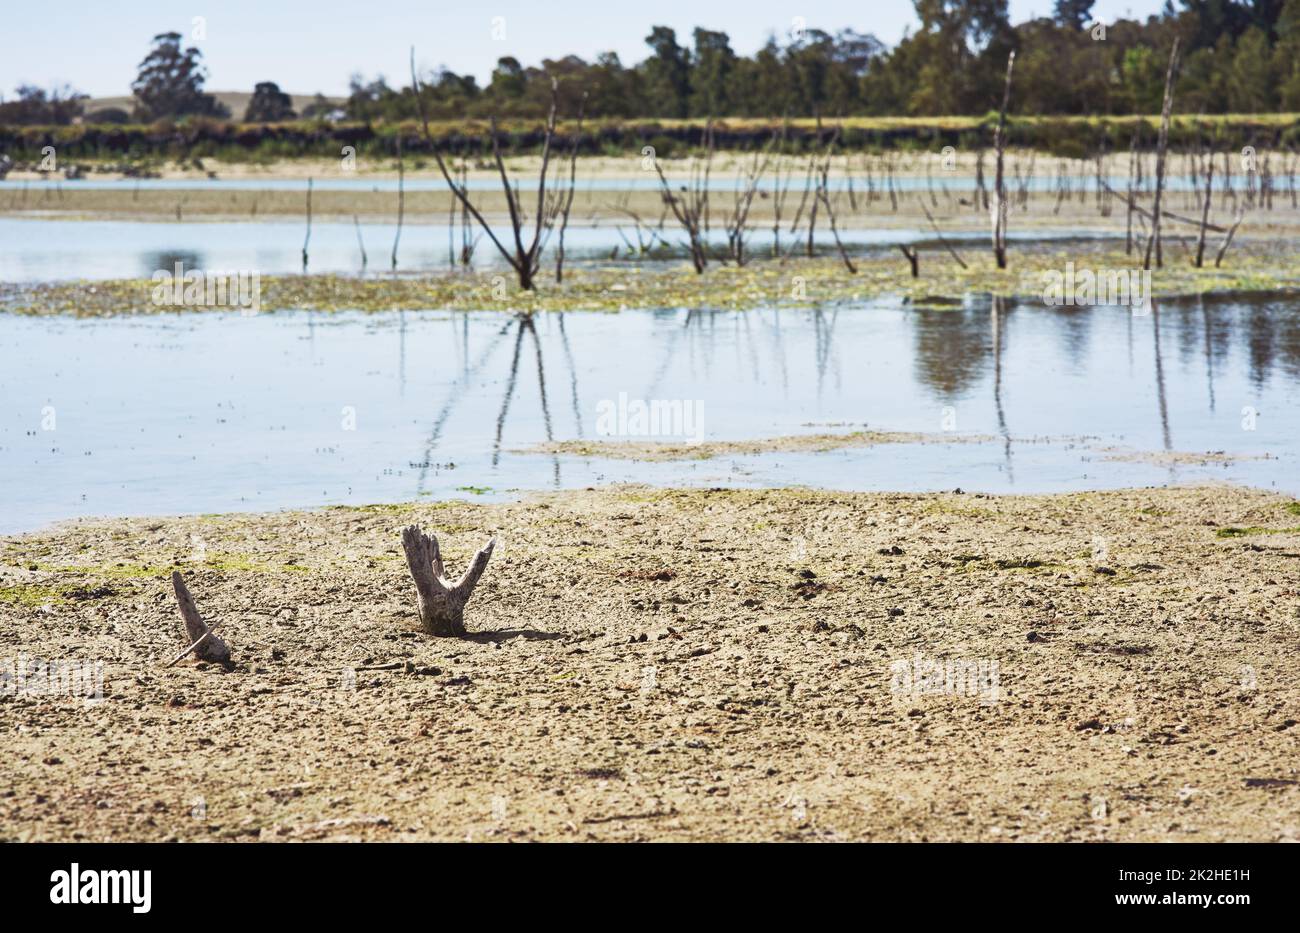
[
  {"x": 205, "y": 645},
  {"x": 999, "y": 208},
  {"x": 441, "y": 603},
  {"x": 937, "y": 232},
  {"x": 568, "y": 202},
  {"x": 1161, "y": 146}
]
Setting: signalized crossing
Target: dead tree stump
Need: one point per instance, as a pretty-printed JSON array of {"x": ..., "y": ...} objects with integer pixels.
[
  {"x": 203, "y": 641},
  {"x": 442, "y": 603}
]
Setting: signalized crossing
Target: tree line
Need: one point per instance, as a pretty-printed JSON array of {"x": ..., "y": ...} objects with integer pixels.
[{"x": 1239, "y": 56}]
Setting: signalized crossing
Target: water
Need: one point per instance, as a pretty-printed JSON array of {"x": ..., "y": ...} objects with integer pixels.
[
  {"x": 1043, "y": 180},
  {"x": 217, "y": 412},
  {"x": 62, "y": 250}
]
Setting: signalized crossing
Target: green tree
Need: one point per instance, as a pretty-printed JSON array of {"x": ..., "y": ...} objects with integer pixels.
[
  {"x": 974, "y": 22},
  {"x": 169, "y": 82},
  {"x": 612, "y": 90},
  {"x": 1201, "y": 81},
  {"x": 667, "y": 74},
  {"x": 1143, "y": 73},
  {"x": 1073, "y": 14},
  {"x": 319, "y": 108},
  {"x": 370, "y": 101},
  {"x": 508, "y": 80},
  {"x": 268, "y": 104},
  {"x": 35, "y": 105},
  {"x": 809, "y": 61},
  {"x": 1250, "y": 85},
  {"x": 711, "y": 73},
  {"x": 1286, "y": 56}
]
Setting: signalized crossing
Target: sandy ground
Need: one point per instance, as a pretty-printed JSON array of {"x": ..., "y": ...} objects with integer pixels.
[
  {"x": 659, "y": 664},
  {"x": 650, "y": 451}
]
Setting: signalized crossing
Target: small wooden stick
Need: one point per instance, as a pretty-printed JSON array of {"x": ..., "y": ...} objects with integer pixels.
[
  {"x": 202, "y": 639},
  {"x": 206, "y": 646},
  {"x": 939, "y": 234}
]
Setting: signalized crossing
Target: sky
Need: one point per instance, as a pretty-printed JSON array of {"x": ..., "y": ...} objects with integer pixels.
[{"x": 305, "y": 47}]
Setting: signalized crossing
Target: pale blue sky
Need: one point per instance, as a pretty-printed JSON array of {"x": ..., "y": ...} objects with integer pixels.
[{"x": 95, "y": 45}]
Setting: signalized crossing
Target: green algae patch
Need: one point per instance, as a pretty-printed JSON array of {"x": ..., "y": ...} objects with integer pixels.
[
  {"x": 32, "y": 595},
  {"x": 1235, "y": 532},
  {"x": 1264, "y": 267}
]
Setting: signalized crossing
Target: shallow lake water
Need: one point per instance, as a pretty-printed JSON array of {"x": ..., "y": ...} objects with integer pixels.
[
  {"x": 1044, "y": 179},
  {"x": 213, "y": 412},
  {"x": 39, "y": 250}
]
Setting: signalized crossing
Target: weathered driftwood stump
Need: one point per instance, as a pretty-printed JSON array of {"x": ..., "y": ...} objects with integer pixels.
[
  {"x": 203, "y": 642},
  {"x": 442, "y": 603}
]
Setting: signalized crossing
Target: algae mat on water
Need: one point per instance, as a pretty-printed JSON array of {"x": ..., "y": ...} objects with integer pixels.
[{"x": 1254, "y": 266}]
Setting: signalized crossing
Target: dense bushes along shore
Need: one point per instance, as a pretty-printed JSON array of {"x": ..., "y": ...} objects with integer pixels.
[{"x": 1075, "y": 137}]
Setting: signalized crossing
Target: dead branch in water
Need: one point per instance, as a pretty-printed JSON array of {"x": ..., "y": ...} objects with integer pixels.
[
  {"x": 914, "y": 259},
  {"x": 308, "y": 237},
  {"x": 524, "y": 261},
  {"x": 1128, "y": 214},
  {"x": 780, "y": 192},
  {"x": 397, "y": 237},
  {"x": 401, "y": 197},
  {"x": 823, "y": 193},
  {"x": 999, "y": 209},
  {"x": 568, "y": 199},
  {"x": 1167, "y": 215},
  {"x": 1227, "y": 240},
  {"x": 1205, "y": 209},
  {"x": 737, "y": 221},
  {"x": 692, "y": 205},
  {"x": 1161, "y": 146},
  {"x": 937, "y": 232}
]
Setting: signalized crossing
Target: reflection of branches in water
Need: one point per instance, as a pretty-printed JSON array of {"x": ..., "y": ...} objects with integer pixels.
[
  {"x": 1209, "y": 355},
  {"x": 527, "y": 322},
  {"x": 464, "y": 338},
  {"x": 453, "y": 397},
  {"x": 401, "y": 353},
  {"x": 952, "y": 348},
  {"x": 703, "y": 348},
  {"x": 1262, "y": 343},
  {"x": 749, "y": 343},
  {"x": 1160, "y": 378},
  {"x": 997, "y": 385},
  {"x": 1129, "y": 318},
  {"x": 822, "y": 333},
  {"x": 778, "y": 349},
  {"x": 573, "y": 375},
  {"x": 1074, "y": 324},
  {"x": 510, "y": 391},
  {"x": 669, "y": 346}
]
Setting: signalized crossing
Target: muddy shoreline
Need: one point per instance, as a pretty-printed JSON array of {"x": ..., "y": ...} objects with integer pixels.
[{"x": 668, "y": 664}]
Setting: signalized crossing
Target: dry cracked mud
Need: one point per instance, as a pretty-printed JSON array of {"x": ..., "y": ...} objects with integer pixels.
[{"x": 673, "y": 665}]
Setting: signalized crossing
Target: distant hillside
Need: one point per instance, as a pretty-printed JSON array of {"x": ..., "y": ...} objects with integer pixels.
[{"x": 237, "y": 101}]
